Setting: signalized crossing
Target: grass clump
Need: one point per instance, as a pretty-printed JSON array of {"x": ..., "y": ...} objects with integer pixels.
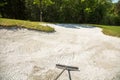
[
  {"x": 25, "y": 24},
  {"x": 109, "y": 30}
]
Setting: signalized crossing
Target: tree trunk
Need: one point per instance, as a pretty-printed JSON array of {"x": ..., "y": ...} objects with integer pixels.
[{"x": 40, "y": 10}]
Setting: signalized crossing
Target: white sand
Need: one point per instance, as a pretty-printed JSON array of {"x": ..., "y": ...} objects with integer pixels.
[{"x": 32, "y": 55}]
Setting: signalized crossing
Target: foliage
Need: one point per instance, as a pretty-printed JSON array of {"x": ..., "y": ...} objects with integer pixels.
[
  {"x": 67, "y": 11},
  {"x": 44, "y": 2},
  {"x": 13, "y": 9},
  {"x": 118, "y": 8},
  {"x": 24, "y": 24}
]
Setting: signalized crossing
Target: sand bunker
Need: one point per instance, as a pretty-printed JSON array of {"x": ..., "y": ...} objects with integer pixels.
[{"x": 32, "y": 55}]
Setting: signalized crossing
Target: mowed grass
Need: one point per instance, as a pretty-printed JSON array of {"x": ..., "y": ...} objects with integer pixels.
[
  {"x": 25, "y": 24},
  {"x": 109, "y": 30}
]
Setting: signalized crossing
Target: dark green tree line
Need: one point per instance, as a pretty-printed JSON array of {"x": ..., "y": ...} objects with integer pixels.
[
  {"x": 13, "y": 9},
  {"x": 69, "y": 11}
]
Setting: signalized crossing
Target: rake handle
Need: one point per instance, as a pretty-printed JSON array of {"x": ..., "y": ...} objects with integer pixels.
[
  {"x": 59, "y": 74},
  {"x": 69, "y": 75}
]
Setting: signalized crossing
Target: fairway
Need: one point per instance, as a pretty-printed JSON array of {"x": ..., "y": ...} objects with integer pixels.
[{"x": 32, "y": 55}]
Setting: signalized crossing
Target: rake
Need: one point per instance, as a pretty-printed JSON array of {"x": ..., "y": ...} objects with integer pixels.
[{"x": 68, "y": 68}]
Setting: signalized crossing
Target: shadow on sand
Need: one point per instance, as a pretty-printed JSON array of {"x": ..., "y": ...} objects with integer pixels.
[
  {"x": 77, "y": 26},
  {"x": 14, "y": 28}
]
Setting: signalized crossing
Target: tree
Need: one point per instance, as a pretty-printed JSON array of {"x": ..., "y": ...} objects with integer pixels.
[
  {"x": 42, "y": 4},
  {"x": 117, "y": 11},
  {"x": 74, "y": 11},
  {"x": 13, "y": 9},
  {"x": 2, "y": 4},
  {"x": 118, "y": 8}
]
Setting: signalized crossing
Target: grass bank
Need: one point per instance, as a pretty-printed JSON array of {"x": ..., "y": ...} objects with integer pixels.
[
  {"x": 109, "y": 30},
  {"x": 25, "y": 24}
]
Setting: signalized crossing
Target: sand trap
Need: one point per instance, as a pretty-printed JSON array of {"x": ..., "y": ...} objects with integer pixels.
[{"x": 32, "y": 55}]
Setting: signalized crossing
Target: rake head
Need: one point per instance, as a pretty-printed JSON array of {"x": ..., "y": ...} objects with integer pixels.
[{"x": 69, "y": 68}]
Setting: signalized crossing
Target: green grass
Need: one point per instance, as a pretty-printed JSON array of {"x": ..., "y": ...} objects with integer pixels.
[
  {"x": 109, "y": 30},
  {"x": 25, "y": 24}
]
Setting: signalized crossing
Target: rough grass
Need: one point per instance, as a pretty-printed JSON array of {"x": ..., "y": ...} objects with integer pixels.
[
  {"x": 109, "y": 30},
  {"x": 25, "y": 24}
]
